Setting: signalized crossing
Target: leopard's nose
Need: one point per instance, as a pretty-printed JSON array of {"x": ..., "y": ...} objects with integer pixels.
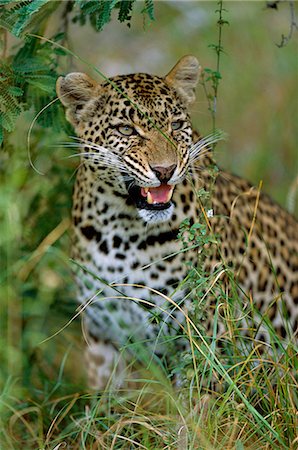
[{"x": 164, "y": 173}]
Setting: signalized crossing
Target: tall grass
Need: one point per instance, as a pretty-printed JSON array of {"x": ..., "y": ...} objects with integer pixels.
[{"x": 253, "y": 406}]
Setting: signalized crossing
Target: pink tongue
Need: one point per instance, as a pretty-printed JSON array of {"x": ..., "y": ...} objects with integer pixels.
[{"x": 159, "y": 194}]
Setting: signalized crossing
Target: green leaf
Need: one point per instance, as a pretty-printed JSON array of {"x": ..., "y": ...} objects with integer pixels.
[
  {"x": 15, "y": 91},
  {"x": 42, "y": 85},
  {"x": 125, "y": 10},
  {"x": 149, "y": 9},
  {"x": 7, "y": 121}
]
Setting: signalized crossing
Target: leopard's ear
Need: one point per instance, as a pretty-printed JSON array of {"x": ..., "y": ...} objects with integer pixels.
[
  {"x": 184, "y": 77},
  {"x": 74, "y": 91}
]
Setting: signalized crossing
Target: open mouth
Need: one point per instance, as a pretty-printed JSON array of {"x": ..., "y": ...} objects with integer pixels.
[{"x": 153, "y": 198}]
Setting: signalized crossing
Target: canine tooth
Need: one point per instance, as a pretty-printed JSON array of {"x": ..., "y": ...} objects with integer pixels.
[
  {"x": 149, "y": 198},
  {"x": 169, "y": 196}
]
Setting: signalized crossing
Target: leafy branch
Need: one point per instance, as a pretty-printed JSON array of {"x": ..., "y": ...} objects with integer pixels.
[{"x": 27, "y": 79}]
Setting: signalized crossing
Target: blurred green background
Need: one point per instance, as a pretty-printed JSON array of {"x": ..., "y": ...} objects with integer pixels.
[{"x": 257, "y": 108}]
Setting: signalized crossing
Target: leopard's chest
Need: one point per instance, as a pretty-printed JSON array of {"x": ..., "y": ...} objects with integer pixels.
[
  {"x": 129, "y": 273},
  {"x": 153, "y": 259},
  {"x": 115, "y": 244},
  {"x": 128, "y": 270}
]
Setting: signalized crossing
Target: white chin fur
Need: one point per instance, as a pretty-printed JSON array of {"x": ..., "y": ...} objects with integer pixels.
[{"x": 151, "y": 216}]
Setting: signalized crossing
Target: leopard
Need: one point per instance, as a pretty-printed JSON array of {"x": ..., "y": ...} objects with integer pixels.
[{"x": 142, "y": 169}]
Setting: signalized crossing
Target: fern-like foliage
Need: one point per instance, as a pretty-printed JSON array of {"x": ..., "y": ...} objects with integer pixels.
[
  {"x": 10, "y": 104},
  {"x": 27, "y": 79},
  {"x": 99, "y": 11},
  {"x": 19, "y": 17}
]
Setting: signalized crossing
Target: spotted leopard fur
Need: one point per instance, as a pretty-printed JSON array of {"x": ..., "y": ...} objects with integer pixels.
[{"x": 135, "y": 137}]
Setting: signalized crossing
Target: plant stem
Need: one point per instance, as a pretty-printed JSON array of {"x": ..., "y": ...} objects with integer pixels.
[
  {"x": 218, "y": 49},
  {"x": 4, "y": 46}
]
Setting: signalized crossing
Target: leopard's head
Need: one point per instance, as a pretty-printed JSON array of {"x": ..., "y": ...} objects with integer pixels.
[{"x": 135, "y": 130}]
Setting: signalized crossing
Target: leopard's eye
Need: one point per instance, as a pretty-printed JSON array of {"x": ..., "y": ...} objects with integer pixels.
[
  {"x": 126, "y": 130},
  {"x": 177, "y": 125}
]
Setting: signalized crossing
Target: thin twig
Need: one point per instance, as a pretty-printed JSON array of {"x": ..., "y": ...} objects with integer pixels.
[
  {"x": 49, "y": 240},
  {"x": 293, "y": 26},
  {"x": 4, "y": 34}
]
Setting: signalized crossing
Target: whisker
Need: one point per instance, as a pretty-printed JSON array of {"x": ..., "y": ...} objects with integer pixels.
[
  {"x": 91, "y": 145},
  {"x": 212, "y": 137},
  {"x": 131, "y": 184},
  {"x": 196, "y": 169},
  {"x": 204, "y": 150},
  {"x": 196, "y": 149},
  {"x": 76, "y": 170},
  {"x": 64, "y": 144},
  {"x": 202, "y": 143},
  {"x": 101, "y": 154},
  {"x": 124, "y": 176},
  {"x": 107, "y": 160}
]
